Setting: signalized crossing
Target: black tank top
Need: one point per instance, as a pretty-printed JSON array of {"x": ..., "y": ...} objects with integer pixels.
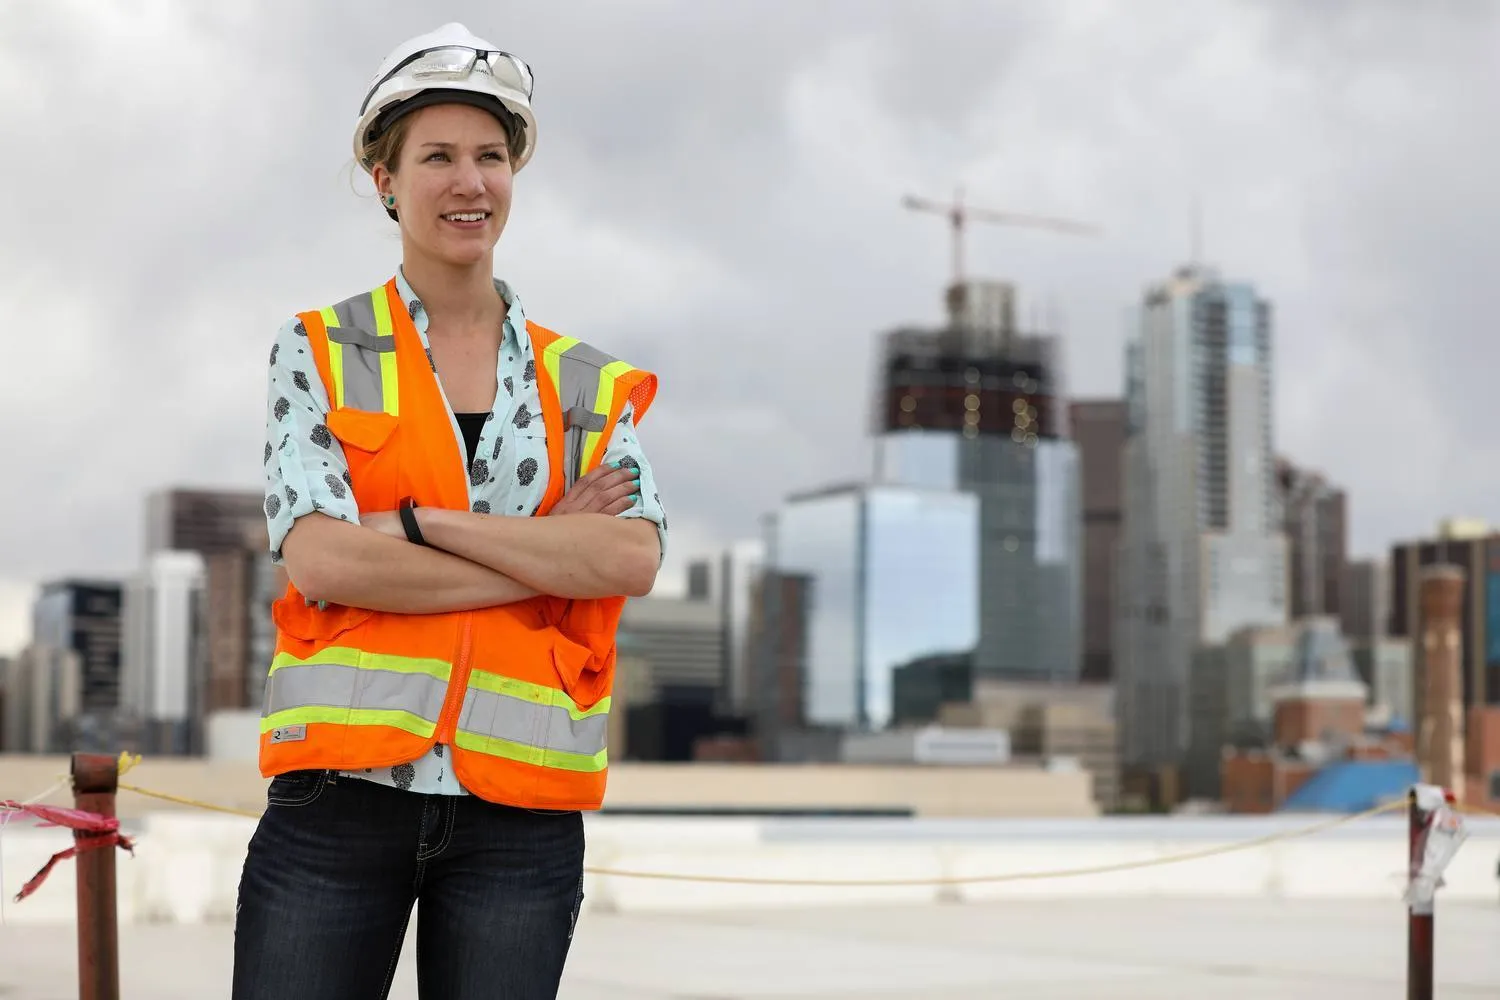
[{"x": 472, "y": 425}]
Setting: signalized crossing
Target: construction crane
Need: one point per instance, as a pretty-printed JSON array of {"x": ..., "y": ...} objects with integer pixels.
[{"x": 959, "y": 214}]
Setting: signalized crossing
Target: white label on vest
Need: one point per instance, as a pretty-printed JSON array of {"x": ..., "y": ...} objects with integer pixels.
[{"x": 289, "y": 734}]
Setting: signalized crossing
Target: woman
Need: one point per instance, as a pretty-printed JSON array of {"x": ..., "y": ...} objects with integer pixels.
[{"x": 462, "y": 507}]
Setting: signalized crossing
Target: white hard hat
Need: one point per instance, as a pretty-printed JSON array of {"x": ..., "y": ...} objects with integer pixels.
[{"x": 443, "y": 66}]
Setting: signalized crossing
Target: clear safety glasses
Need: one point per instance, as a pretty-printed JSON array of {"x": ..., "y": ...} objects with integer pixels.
[{"x": 457, "y": 62}]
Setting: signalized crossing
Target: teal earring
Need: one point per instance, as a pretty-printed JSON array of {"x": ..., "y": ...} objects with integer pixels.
[{"x": 390, "y": 201}]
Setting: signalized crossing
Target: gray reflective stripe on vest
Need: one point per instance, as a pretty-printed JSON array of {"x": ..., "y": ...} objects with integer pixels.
[
  {"x": 585, "y": 419},
  {"x": 578, "y": 391},
  {"x": 362, "y": 345},
  {"x": 336, "y": 685},
  {"x": 517, "y": 720},
  {"x": 365, "y": 341},
  {"x": 356, "y": 312}
]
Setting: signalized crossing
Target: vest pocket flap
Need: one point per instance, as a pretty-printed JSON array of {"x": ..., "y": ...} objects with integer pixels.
[
  {"x": 578, "y": 670},
  {"x": 367, "y": 430},
  {"x": 300, "y": 620}
]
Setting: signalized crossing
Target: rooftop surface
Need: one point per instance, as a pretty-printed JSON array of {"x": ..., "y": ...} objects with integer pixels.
[{"x": 1112, "y": 950}]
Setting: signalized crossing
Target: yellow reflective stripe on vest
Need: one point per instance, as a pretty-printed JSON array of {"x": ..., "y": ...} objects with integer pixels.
[
  {"x": 585, "y": 379},
  {"x": 532, "y": 723},
  {"x": 335, "y": 356},
  {"x": 604, "y": 401},
  {"x": 390, "y": 392},
  {"x": 351, "y": 656},
  {"x": 551, "y": 359},
  {"x": 558, "y": 759},
  {"x": 404, "y": 721},
  {"x": 348, "y": 685},
  {"x": 537, "y": 694}
]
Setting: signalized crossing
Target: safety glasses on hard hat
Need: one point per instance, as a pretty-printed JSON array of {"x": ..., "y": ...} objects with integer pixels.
[{"x": 456, "y": 62}]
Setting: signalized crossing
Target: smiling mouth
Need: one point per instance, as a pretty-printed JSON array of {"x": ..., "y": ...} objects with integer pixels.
[{"x": 466, "y": 216}]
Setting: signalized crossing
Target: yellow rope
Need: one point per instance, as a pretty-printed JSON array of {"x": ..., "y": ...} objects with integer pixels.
[
  {"x": 195, "y": 803},
  {"x": 1018, "y": 876},
  {"x": 1194, "y": 855}
]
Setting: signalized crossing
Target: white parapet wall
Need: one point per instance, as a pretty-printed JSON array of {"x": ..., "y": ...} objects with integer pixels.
[{"x": 186, "y": 865}]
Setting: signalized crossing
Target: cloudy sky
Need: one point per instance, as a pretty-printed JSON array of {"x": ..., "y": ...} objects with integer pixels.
[{"x": 716, "y": 196}]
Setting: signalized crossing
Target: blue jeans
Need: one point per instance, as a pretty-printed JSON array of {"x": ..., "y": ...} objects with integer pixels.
[{"x": 337, "y": 863}]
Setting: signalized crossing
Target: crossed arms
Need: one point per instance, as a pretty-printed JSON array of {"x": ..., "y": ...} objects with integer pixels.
[
  {"x": 597, "y": 541},
  {"x": 581, "y": 549}
]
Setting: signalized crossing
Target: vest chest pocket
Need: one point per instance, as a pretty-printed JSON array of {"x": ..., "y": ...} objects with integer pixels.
[
  {"x": 372, "y": 455},
  {"x": 366, "y": 430}
]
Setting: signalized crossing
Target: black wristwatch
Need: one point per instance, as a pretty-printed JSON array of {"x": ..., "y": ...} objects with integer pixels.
[{"x": 408, "y": 508}]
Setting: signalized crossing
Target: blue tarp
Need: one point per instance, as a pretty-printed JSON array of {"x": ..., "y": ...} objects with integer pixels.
[{"x": 1353, "y": 786}]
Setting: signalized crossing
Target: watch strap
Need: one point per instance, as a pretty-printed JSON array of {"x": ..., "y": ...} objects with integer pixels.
[{"x": 408, "y": 509}]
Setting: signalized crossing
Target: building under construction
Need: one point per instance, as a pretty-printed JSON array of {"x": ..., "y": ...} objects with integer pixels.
[{"x": 979, "y": 406}]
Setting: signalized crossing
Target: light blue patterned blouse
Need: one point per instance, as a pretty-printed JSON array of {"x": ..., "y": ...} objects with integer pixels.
[{"x": 306, "y": 470}]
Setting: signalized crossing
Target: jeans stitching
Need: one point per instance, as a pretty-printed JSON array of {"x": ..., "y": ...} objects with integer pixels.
[
  {"x": 390, "y": 970},
  {"x": 424, "y": 855},
  {"x": 319, "y": 783},
  {"x": 416, "y": 890},
  {"x": 577, "y": 908}
]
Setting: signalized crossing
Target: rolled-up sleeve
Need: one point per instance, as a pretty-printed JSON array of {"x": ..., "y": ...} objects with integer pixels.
[
  {"x": 305, "y": 466},
  {"x": 625, "y": 449}
]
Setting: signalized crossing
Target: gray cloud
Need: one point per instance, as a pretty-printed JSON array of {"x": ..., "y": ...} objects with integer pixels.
[{"x": 716, "y": 195}]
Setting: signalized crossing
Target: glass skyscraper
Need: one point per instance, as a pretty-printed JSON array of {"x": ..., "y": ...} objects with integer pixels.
[
  {"x": 893, "y": 577},
  {"x": 967, "y": 543},
  {"x": 1202, "y": 553}
]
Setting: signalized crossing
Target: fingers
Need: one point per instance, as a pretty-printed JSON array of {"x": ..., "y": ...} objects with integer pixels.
[
  {"x": 612, "y": 492},
  {"x": 605, "y": 489}
]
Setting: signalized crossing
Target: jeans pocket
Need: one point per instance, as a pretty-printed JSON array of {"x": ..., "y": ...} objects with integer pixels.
[{"x": 296, "y": 788}]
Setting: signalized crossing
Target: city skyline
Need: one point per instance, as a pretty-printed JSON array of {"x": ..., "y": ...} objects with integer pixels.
[{"x": 1320, "y": 211}]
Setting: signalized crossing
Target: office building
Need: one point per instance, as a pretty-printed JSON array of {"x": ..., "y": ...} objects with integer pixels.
[
  {"x": 728, "y": 582},
  {"x": 191, "y": 520},
  {"x": 227, "y": 529},
  {"x": 740, "y": 566},
  {"x": 43, "y": 700},
  {"x": 1473, "y": 548},
  {"x": 978, "y": 407},
  {"x": 1383, "y": 662},
  {"x": 671, "y": 667},
  {"x": 165, "y": 647},
  {"x": 84, "y": 616},
  {"x": 1099, "y": 427},
  {"x": 892, "y": 574},
  {"x": 777, "y": 627},
  {"x": 1314, "y": 518},
  {"x": 1365, "y": 601},
  {"x": 1202, "y": 551}
]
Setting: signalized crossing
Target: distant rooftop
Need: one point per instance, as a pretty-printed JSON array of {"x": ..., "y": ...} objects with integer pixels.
[{"x": 1353, "y": 786}]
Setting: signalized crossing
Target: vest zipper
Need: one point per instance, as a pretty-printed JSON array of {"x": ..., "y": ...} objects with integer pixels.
[{"x": 458, "y": 685}]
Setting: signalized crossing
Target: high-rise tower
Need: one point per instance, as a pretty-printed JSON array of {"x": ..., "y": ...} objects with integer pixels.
[{"x": 1202, "y": 550}]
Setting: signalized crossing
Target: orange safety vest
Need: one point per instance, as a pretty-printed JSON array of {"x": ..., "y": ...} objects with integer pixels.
[{"x": 519, "y": 692}]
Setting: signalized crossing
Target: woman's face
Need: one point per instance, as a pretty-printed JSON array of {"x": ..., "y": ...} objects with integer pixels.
[{"x": 452, "y": 183}]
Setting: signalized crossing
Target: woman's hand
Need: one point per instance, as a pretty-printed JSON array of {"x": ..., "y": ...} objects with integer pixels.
[{"x": 605, "y": 490}]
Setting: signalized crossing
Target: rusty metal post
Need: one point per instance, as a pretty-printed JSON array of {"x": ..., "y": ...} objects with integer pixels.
[
  {"x": 1419, "y": 923},
  {"x": 95, "y": 780},
  {"x": 1440, "y": 732}
]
